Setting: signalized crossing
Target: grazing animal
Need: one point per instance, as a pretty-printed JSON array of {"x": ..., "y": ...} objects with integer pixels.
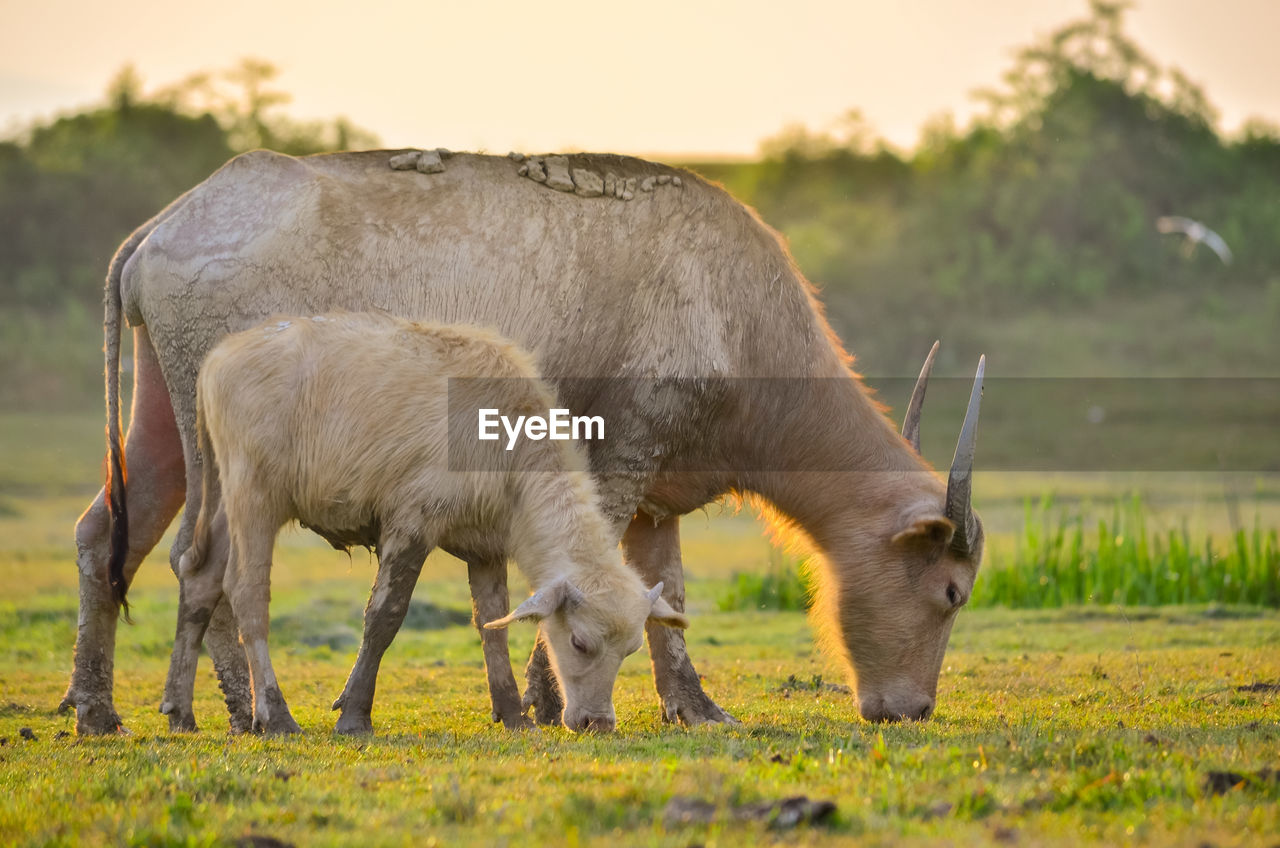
[
  {"x": 342, "y": 422},
  {"x": 680, "y": 293}
]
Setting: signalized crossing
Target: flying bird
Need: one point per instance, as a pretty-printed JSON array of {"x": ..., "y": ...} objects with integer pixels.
[{"x": 1196, "y": 233}]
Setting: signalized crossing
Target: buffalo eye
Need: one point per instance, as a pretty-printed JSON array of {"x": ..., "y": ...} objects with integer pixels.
[
  {"x": 578, "y": 644},
  {"x": 953, "y": 596}
]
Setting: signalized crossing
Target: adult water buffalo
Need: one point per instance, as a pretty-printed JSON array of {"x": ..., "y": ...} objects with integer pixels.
[{"x": 725, "y": 377}]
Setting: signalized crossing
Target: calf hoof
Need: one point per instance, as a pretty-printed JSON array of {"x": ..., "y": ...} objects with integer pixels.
[
  {"x": 181, "y": 720},
  {"x": 694, "y": 708},
  {"x": 352, "y": 724},
  {"x": 279, "y": 724},
  {"x": 277, "y": 718}
]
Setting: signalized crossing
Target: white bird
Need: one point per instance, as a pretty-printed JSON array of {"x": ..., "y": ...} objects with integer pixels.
[{"x": 1196, "y": 233}]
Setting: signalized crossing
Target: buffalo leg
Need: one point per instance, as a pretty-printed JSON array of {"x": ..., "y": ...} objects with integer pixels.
[
  {"x": 399, "y": 564},
  {"x": 653, "y": 549},
  {"x": 490, "y": 601},
  {"x": 542, "y": 690},
  {"x": 154, "y": 494},
  {"x": 222, "y": 641}
]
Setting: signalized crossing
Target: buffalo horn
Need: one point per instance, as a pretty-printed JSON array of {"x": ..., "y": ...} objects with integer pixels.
[
  {"x": 911, "y": 423},
  {"x": 960, "y": 480}
]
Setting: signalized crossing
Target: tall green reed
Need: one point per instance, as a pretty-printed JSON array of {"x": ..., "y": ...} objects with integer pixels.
[{"x": 1061, "y": 558}]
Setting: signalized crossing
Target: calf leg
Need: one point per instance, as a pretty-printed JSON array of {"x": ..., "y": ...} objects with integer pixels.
[
  {"x": 248, "y": 585},
  {"x": 155, "y": 493},
  {"x": 653, "y": 549},
  {"x": 490, "y": 601},
  {"x": 399, "y": 564},
  {"x": 199, "y": 594}
]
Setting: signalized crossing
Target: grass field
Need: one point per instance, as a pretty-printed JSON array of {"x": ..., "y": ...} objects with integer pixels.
[{"x": 1090, "y": 724}]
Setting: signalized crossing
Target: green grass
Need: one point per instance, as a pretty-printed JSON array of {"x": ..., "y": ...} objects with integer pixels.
[
  {"x": 782, "y": 585},
  {"x": 1060, "y": 558},
  {"x": 1058, "y": 726},
  {"x": 1090, "y": 724}
]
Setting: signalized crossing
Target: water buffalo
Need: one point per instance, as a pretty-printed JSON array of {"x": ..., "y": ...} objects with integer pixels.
[{"x": 603, "y": 266}]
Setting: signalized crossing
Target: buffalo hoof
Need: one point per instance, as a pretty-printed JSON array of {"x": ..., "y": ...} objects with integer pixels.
[
  {"x": 510, "y": 710},
  {"x": 514, "y": 721},
  {"x": 181, "y": 719},
  {"x": 694, "y": 708},
  {"x": 93, "y": 718},
  {"x": 544, "y": 696},
  {"x": 239, "y": 700},
  {"x": 354, "y": 724},
  {"x": 240, "y": 719}
]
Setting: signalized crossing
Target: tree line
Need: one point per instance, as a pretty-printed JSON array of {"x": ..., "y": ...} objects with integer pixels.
[{"x": 1053, "y": 193}]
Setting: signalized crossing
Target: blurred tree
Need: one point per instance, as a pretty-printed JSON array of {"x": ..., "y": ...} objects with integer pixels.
[
  {"x": 73, "y": 188},
  {"x": 1050, "y": 194},
  {"x": 246, "y": 105}
]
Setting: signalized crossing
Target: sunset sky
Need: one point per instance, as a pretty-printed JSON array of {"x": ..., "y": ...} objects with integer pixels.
[{"x": 665, "y": 77}]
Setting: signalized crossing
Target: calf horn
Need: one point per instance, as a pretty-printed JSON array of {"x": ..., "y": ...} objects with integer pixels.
[
  {"x": 911, "y": 422},
  {"x": 960, "y": 480}
]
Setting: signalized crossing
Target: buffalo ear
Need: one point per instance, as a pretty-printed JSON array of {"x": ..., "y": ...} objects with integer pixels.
[
  {"x": 540, "y": 604},
  {"x": 933, "y": 530}
]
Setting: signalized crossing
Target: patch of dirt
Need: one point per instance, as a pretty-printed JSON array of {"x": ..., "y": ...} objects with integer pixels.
[
  {"x": 257, "y": 840},
  {"x": 1007, "y": 835},
  {"x": 1222, "y": 782},
  {"x": 779, "y": 815},
  {"x": 1259, "y": 687},
  {"x": 813, "y": 684},
  {"x": 937, "y": 810}
]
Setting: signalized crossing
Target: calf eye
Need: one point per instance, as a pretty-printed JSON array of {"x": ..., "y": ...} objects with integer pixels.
[
  {"x": 953, "y": 595},
  {"x": 578, "y": 644}
]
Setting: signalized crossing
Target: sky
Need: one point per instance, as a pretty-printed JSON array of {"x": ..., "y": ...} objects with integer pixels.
[{"x": 663, "y": 77}]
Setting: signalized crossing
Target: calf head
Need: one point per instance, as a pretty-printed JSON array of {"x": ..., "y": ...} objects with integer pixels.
[
  {"x": 902, "y": 581},
  {"x": 587, "y": 638}
]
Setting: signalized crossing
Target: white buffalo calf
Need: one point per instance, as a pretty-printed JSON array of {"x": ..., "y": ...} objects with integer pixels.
[{"x": 342, "y": 422}]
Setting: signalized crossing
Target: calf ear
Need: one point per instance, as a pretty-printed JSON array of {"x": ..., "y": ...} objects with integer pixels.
[
  {"x": 662, "y": 612},
  {"x": 933, "y": 530},
  {"x": 540, "y": 604}
]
